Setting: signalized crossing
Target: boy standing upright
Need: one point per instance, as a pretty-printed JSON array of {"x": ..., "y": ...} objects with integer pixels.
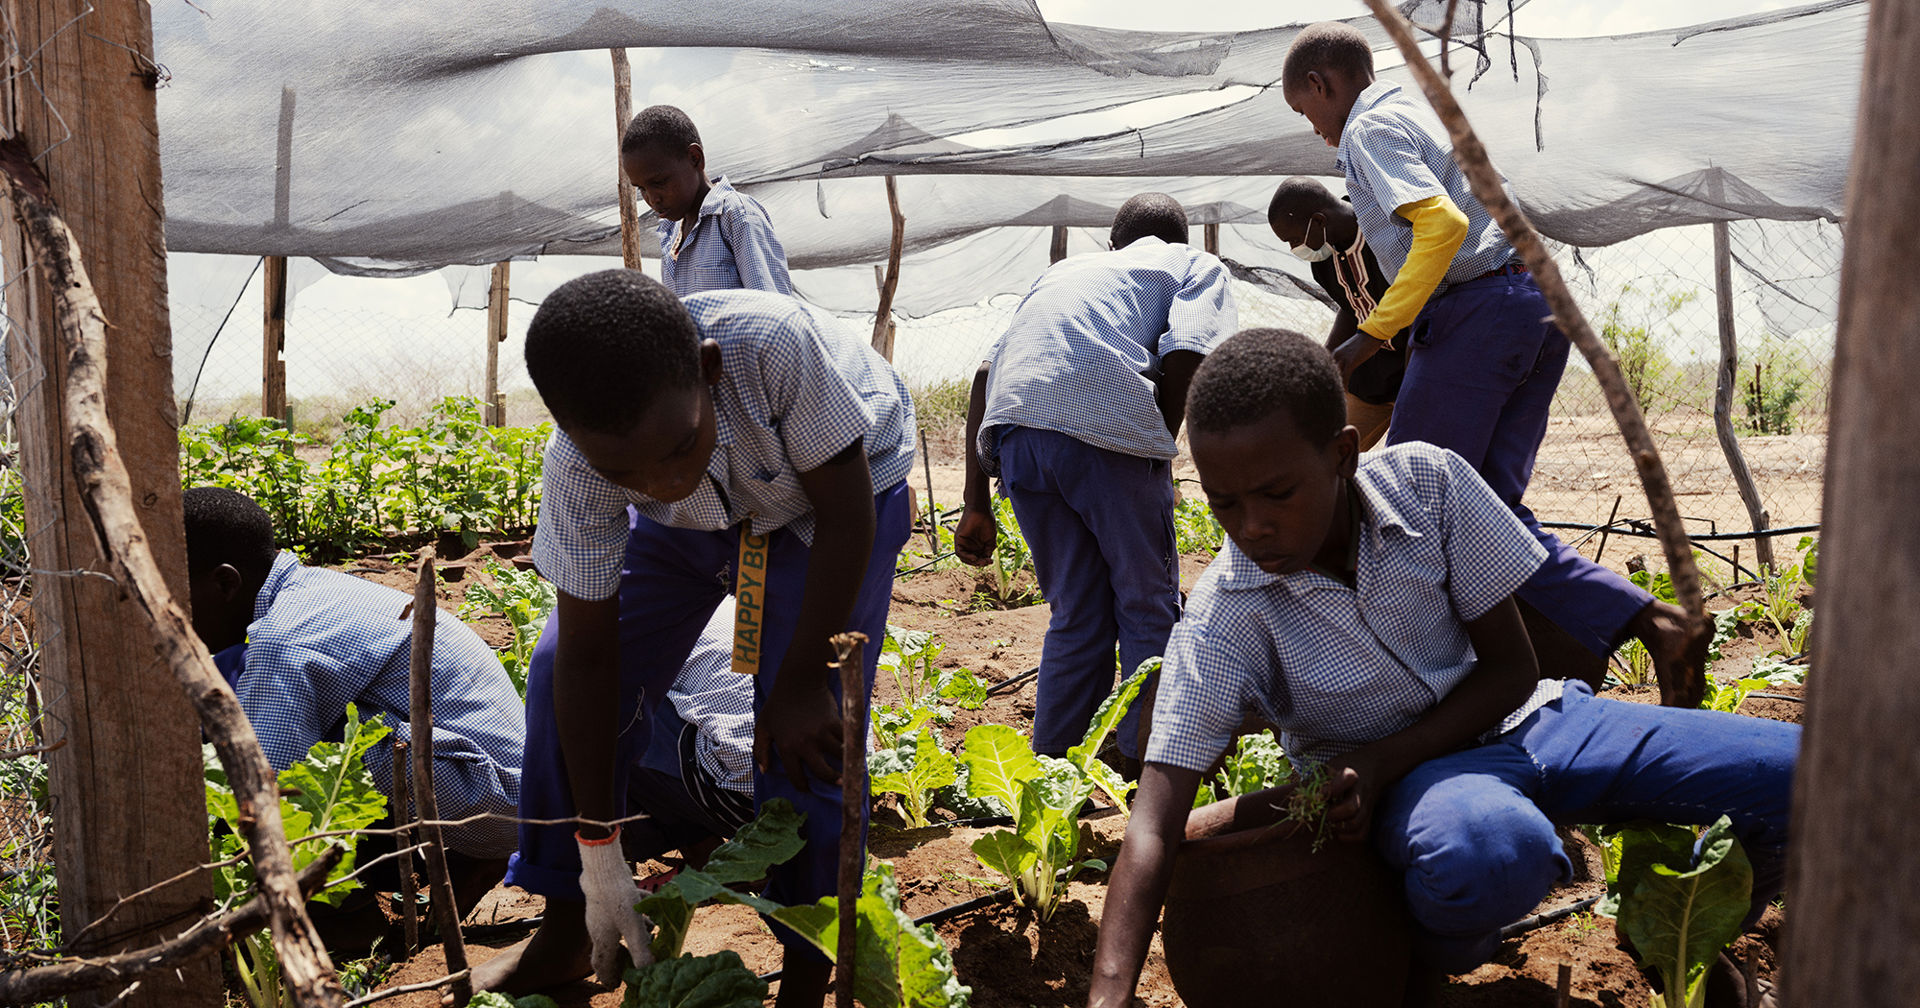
[
  {"x": 712, "y": 236},
  {"x": 1486, "y": 359},
  {"x": 1367, "y": 611},
  {"x": 764, "y": 457},
  {"x": 1076, "y": 411}
]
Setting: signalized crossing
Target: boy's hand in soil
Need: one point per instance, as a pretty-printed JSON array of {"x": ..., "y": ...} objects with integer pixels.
[{"x": 974, "y": 537}]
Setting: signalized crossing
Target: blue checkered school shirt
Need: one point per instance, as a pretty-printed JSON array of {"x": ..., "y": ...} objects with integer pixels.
[
  {"x": 321, "y": 639},
  {"x": 731, "y": 247},
  {"x": 718, "y": 702},
  {"x": 1085, "y": 345},
  {"x": 795, "y": 390},
  {"x": 1393, "y": 151},
  {"x": 1337, "y": 667}
]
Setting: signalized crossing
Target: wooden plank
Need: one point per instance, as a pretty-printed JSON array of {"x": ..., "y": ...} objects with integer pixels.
[
  {"x": 1723, "y": 394},
  {"x": 1854, "y": 888},
  {"x": 496, "y": 404},
  {"x": 273, "y": 338},
  {"x": 622, "y": 114},
  {"x": 131, "y": 807}
]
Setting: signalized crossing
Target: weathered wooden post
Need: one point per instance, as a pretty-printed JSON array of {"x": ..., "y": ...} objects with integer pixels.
[
  {"x": 495, "y": 412},
  {"x": 131, "y": 804},
  {"x": 883, "y": 315},
  {"x": 622, "y": 113},
  {"x": 1854, "y": 887}
]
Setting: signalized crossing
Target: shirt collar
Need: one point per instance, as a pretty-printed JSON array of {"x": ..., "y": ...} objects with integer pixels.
[
  {"x": 284, "y": 564},
  {"x": 1377, "y": 513},
  {"x": 717, "y": 192}
]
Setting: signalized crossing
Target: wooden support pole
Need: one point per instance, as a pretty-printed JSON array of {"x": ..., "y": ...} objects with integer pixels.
[
  {"x": 496, "y": 411},
  {"x": 853, "y": 802},
  {"x": 1211, "y": 235},
  {"x": 1723, "y": 393},
  {"x": 1488, "y": 188},
  {"x": 1057, "y": 248},
  {"x": 402, "y": 815},
  {"x": 273, "y": 339},
  {"x": 130, "y": 801},
  {"x": 883, "y": 315},
  {"x": 622, "y": 114},
  {"x": 1853, "y": 884},
  {"x": 125, "y": 760},
  {"x": 446, "y": 916}
]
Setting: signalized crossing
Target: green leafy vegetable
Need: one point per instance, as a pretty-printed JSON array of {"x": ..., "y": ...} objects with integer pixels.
[
  {"x": 1677, "y": 909},
  {"x": 897, "y": 964},
  {"x": 525, "y": 599},
  {"x": 495, "y": 999},
  {"x": 915, "y": 770},
  {"x": 770, "y": 839},
  {"x": 720, "y": 980}
]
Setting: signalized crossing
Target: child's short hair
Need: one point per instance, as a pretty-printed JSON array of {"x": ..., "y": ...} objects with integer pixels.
[
  {"x": 659, "y": 127},
  {"x": 1324, "y": 46},
  {"x": 226, "y": 527},
  {"x": 601, "y": 347},
  {"x": 1156, "y": 214},
  {"x": 1259, "y": 372},
  {"x": 1300, "y": 196}
]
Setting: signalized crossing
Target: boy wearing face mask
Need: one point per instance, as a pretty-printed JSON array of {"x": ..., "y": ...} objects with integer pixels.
[{"x": 1320, "y": 229}]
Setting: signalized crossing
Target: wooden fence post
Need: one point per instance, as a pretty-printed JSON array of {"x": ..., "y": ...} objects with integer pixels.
[
  {"x": 883, "y": 315},
  {"x": 496, "y": 406},
  {"x": 1853, "y": 886},
  {"x": 622, "y": 113},
  {"x": 1211, "y": 235},
  {"x": 131, "y": 806},
  {"x": 273, "y": 339},
  {"x": 1057, "y": 248},
  {"x": 1723, "y": 393}
]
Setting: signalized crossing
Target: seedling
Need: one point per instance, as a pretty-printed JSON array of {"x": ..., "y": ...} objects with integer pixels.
[
  {"x": 915, "y": 769},
  {"x": 526, "y": 600},
  {"x": 1010, "y": 552},
  {"x": 1677, "y": 908}
]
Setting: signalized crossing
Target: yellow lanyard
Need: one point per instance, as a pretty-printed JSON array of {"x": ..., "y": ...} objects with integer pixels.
[{"x": 750, "y": 599}]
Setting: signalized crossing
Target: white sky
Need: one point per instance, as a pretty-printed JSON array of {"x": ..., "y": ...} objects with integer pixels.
[{"x": 204, "y": 286}]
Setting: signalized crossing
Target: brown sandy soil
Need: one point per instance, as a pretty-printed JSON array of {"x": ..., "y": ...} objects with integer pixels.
[{"x": 1000, "y": 950}]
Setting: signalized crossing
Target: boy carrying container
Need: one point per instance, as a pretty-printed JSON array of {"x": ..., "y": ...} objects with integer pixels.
[
  {"x": 1485, "y": 357},
  {"x": 1367, "y": 611},
  {"x": 762, "y": 455}
]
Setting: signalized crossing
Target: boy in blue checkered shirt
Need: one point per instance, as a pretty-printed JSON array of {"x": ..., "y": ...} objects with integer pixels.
[
  {"x": 1485, "y": 358},
  {"x": 1367, "y": 611},
  {"x": 730, "y": 443},
  {"x": 1076, "y": 410},
  {"x": 712, "y": 236},
  {"x": 298, "y": 644}
]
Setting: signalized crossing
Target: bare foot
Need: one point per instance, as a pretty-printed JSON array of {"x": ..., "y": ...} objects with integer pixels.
[
  {"x": 1678, "y": 646},
  {"x": 556, "y": 954}
]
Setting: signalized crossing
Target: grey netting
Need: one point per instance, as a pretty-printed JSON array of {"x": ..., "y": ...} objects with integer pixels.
[{"x": 393, "y": 138}]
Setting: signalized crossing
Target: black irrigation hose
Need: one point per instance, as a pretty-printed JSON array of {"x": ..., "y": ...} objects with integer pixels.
[
  {"x": 1641, "y": 527},
  {"x": 1014, "y": 683},
  {"x": 1537, "y": 921}
]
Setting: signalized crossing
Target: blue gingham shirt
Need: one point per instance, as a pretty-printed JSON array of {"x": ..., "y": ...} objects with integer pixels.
[
  {"x": 731, "y": 246},
  {"x": 1084, "y": 348},
  {"x": 321, "y": 639},
  {"x": 1337, "y": 667},
  {"x": 1393, "y": 151},
  {"x": 795, "y": 390},
  {"x": 718, "y": 702}
]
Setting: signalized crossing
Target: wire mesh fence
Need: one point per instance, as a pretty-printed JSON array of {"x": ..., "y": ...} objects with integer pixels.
[{"x": 1652, "y": 299}]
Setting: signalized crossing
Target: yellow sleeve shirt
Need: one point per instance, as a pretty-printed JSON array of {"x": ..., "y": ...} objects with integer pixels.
[{"x": 1439, "y": 228}]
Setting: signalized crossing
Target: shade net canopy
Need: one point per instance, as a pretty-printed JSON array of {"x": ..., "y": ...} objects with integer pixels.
[{"x": 384, "y": 138}]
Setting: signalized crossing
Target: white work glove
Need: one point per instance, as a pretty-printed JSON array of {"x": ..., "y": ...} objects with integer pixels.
[{"x": 607, "y": 883}]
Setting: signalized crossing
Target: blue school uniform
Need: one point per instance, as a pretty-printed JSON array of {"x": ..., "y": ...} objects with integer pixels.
[
  {"x": 731, "y": 246},
  {"x": 321, "y": 639},
  {"x": 1485, "y": 363},
  {"x": 1074, "y": 431},
  {"x": 794, "y": 392},
  {"x": 1336, "y": 667}
]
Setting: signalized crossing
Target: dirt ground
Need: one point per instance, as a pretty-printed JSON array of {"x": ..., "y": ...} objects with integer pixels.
[{"x": 1007, "y": 957}]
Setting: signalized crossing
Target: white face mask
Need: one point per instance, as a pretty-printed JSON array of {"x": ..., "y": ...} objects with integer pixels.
[{"x": 1313, "y": 253}]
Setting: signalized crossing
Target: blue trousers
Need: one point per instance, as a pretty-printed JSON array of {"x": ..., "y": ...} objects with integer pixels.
[
  {"x": 670, "y": 584},
  {"x": 1473, "y": 830},
  {"x": 1100, "y": 525},
  {"x": 1480, "y": 380}
]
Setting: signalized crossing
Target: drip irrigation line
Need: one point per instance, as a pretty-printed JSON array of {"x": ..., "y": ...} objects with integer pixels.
[
  {"x": 924, "y": 566},
  {"x": 1014, "y": 683},
  {"x": 1537, "y": 921},
  {"x": 1638, "y": 527}
]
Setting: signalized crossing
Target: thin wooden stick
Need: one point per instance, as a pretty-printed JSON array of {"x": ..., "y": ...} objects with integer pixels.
[
  {"x": 69, "y": 976},
  {"x": 884, "y": 313},
  {"x": 409, "y": 893},
  {"x": 853, "y": 802},
  {"x": 933, "y": 513},
  {"x": 107, "y": 494},
  {"x": 1723, "y": 387},
  {"x": 1563, "y": 987},
  {"x": 1487, "y": 187},
  {"x": 1608, "y": 527},
  {"x": 446, "y": 916},
  {"x": 622, "y": 112}
]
